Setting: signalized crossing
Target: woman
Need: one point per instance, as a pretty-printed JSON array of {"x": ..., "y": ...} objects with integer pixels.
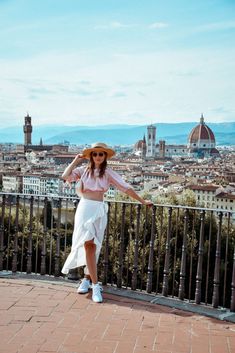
[{"x": 91, "y": 213}]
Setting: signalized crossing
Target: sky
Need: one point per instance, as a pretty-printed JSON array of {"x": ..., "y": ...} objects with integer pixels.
[{"x": 99, "y": 62}]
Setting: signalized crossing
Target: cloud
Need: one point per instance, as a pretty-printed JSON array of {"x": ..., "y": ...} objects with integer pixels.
[
  {"x": 117, "y": 94},
  {"x": 158, "y": 86},
  {"x": 141, "y": 94},
  {"x": 216, "y": 26},
  {"x": 158, "y": 25},
  {"x": 222, "y": 110},
  {"x": 41, "y": 91},
  {"x": 190, "y": 73},
  {"x": 115, "y": 25},
  {"x": 33, "y": 97}
]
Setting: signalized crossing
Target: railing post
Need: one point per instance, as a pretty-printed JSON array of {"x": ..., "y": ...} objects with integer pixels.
[
  {"x": 9, "y": 199},
  {"x": 160, "y": 236},
  {"x": 16, "y": 231},
  {"x": 106, "y": 250},
  {"x": 73, "y": 274},
  {"x": 215, "y": 297},
  {"x": 191, "y": 256},
  {"x": 136, "y": 247},
  {"x": 175, "y": 253},
  {"x": 2, "y": 232},
  {"x": 121, "y": 250},
  {"x": 208, "y": 259},
  {"x": 151, "y": 250},
  {"x": 232, "y": 302},
  {"x": 144, "y": 248},
  {"x": 43, "y": 253},
  {"x": 183, "y": 258},
  {"x": 167, "y": 255},
  {"x": 129, "y": 236},
  {"x": 226, "y": 262},
  {"x": 57, "y": 253},
  {"x": 30, "y": 237},
  {"x": 198, "y": 292}
]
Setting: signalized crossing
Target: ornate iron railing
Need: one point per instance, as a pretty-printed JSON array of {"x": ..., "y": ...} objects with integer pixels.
[{"x": 176, "y": 251}]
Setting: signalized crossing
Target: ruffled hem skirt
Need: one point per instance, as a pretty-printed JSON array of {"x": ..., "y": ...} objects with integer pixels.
[{"x": 89, "y": 223}]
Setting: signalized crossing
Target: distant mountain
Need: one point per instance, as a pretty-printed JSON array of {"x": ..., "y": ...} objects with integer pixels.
[
  {"x": 116, "y": 134},
  {"x": 46, "y": 132},
  {"x": 221, "y": 139}
]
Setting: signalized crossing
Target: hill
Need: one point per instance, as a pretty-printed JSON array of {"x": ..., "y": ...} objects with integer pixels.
[{"x": 116, "y": 134}]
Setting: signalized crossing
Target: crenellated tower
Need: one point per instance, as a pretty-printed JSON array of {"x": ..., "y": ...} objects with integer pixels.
[{"x": 27, "y": 130}]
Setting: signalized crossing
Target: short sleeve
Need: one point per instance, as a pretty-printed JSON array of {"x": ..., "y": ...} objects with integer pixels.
[
  {"x": 116, "y": 180},
  {"x": 76, "y": 174}
]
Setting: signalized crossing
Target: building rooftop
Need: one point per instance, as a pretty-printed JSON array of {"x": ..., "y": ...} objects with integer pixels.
[
  {"x": 224, "y": 195},
  {"x": 203, "y": 187}
]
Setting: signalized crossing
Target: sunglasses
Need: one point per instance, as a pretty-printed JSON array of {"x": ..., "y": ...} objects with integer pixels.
[{"x": 100, "y": 154}]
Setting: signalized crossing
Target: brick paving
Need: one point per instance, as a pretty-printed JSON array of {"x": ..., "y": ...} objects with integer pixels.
[{"x": 37, "y": 316}]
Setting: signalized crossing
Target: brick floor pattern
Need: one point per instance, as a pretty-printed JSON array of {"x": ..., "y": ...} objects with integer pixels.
[{"x": 38, "y": 316}]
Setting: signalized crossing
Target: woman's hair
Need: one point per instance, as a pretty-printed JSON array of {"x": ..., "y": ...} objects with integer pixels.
[{"x": 91, "y": 166}]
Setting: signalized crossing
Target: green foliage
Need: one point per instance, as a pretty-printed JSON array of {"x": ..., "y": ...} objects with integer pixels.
[{"x": 124, "y": 242}]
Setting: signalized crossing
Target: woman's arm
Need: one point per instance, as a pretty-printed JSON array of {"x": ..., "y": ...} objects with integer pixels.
[
  {"x": 135, "y": 196},
  {"x": 77, "y": 160},
  {"x": 116, "y": 180}
]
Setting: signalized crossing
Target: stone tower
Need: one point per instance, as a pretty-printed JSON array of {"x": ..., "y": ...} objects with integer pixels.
[
  {"x": 27, "y": 130},
  {"x": 144, "y": 147},
  {"x": 151, "y": 141},
  {"x": 162, "y": 148}
]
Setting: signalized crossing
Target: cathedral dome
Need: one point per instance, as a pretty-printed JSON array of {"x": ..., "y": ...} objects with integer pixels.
[
  {"x": 201, "y": 140},
  {"x": 139, "y": 145},
  {"x": 201, "y": 133}
]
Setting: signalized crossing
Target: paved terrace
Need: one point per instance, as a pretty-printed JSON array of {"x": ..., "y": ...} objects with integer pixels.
[{"x": 37, "y": 316}]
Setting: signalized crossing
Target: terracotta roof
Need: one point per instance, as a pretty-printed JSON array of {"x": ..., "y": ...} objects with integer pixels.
[
  {"x": 203, "y": 187},
  {"x": 156, "y": 174},
  {"x": 214, "y": 151},
  {"x": 223, "y": 195},
  {"x": 201, "y": 132},
  {"x": 139, "y": 144}
]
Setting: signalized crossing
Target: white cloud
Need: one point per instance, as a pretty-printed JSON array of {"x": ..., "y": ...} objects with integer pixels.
[
  {"x": 114, "y": 25},
  {"x": 117, "y": 94},
  {"x": 216, "y": 26},
  {"x": 85, "y": 89},
  {"x": 158, "y": 25}
]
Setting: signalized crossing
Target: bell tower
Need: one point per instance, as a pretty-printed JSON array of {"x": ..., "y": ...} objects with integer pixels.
[
  {"x": 151, "y": 141},
  {"x": 27, "y": 130}
]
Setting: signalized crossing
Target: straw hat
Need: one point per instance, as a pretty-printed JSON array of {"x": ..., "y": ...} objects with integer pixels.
[{"x": 98, "y": 147}]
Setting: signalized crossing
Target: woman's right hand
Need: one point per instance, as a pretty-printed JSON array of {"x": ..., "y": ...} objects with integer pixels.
[{"x": 78, "y": 157}]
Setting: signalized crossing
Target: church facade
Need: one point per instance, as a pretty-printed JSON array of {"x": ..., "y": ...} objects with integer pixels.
[{"x": 201, "y": 144}]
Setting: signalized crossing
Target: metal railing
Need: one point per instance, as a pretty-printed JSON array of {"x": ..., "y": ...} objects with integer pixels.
[{"x": 176, "y": 251}]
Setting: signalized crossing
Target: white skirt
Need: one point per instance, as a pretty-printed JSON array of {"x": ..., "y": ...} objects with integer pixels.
[{"x": 89, "y": 223}]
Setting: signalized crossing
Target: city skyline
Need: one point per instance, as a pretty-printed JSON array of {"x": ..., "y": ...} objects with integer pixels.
[{"x": 113, "y": 62}]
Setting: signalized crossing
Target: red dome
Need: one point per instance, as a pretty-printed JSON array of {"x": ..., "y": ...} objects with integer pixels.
[{"x": 201, "y": 132}]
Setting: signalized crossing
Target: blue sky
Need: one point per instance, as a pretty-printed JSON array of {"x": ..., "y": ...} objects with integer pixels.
[{"x": 99, "y": 62}]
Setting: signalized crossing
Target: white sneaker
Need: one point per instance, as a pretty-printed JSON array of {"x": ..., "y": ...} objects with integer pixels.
[
  {"x": 84, "y": 286},
  {"x": 96, "y": 293}
]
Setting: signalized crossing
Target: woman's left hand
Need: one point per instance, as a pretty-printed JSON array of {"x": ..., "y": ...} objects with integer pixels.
[{"x": 148, "y": 203}]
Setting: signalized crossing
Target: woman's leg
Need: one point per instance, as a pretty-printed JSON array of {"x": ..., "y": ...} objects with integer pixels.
[{"x": 90, "y": 249}]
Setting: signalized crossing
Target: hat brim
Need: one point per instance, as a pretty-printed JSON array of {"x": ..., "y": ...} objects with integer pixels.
[{"x": 87, "y": 152}]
